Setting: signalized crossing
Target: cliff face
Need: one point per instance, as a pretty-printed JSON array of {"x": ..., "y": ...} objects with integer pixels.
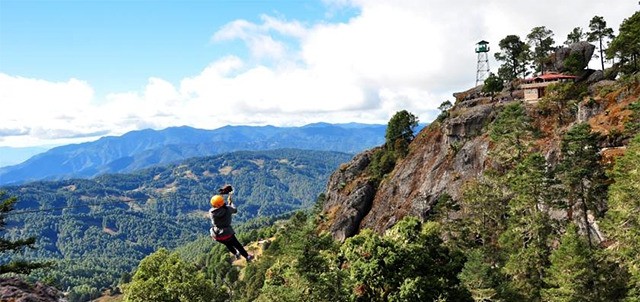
[
  {"x": 15, "y": 289},
  {"x": 447, "y": 154}
]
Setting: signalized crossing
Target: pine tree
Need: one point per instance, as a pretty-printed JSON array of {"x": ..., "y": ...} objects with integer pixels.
[
  {"x": 525, "y": 242},
  {"x": 576, "y": 35},
  {"x": 541, "y": 39},
  {"x": 582, "y": 175},
  {"x": 511, "y": 132},
  {"x": 7, "y": 245},
  {"x": 600, "y": 33},
  {"x": 479, "y": 276},
  {"x": 515, "y": 55},
  {"x": 399, "y": 132},
  {"x": 492, "y": 84},
  {"x": 570, "y": 277},
  {"x": 622, "y": 221},
  {"x": 626, "y": 46},
  {"x": 482, "y": 216}
]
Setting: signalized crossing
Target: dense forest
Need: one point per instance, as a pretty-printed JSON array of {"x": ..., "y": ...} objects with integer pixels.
[{"x": 95, "y": 231}]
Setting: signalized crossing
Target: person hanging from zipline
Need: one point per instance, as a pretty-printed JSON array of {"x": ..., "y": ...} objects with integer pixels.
[{"x": 221, "y": 229}]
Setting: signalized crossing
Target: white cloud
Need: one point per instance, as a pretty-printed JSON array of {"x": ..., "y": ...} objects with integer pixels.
[{"x": 393, "y": 55}]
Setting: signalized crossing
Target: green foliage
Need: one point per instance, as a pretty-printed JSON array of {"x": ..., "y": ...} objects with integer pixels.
[
  {"x": 482, "y": 215},
  {"x": 299, "y": 265},
  {"x": 541, "y": 39},
  {"x": 382, "y": 162},
  {"x": 444, "y": 110},
  {"x": 409, "y": 263},
  {"x": 96, "y": 230},
  {"x": 581, "y": 273},
  {"x": 398, "y": 137},
  {"x": 626, "y": 46},
  {"x": 529, "y": 227},
  {"x": 574, "y": 63},
  {"x": 163, "y": 276},
  {"x": 493, "y": 84},
  {"x": 581, "y": 173},
  {"x": 571, "y": 276},
  {"x": 561, "y": 100},
  {"x": 514, "y": 55},
  {"x": 598, "y": 31},
  {"x": 12, "y": 246},
  {"x": 622, "y": 221},
  {"x": 400, "y": 131},
  {"x": 576, "y": 35},
  {"x": 511, "y": 133},
  {"x": 632, "y": 125},
  {"x": 479, "y": 276}
]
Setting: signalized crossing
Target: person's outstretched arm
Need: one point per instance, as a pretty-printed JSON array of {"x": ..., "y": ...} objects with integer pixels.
[{"x": 232, "y": 207}]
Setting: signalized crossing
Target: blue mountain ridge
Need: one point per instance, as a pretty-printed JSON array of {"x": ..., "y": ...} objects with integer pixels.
[{"x": 145, "y": 148}]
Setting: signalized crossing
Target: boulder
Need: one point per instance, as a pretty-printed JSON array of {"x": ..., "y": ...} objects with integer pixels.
[
  {"x": 17, "y": 290},
  {"x": 557, "y": 59}
]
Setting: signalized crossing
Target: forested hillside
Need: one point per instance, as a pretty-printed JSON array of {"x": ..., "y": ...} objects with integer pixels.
[
  {"x": 145, "y": 148},
  {"x": 500, "y": 199},
  {"x": 523, "y": 230},
  {"x": 96, "y": 231}
]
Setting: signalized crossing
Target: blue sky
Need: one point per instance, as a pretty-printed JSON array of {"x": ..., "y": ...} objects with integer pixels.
[
  {"x": 74, "y": 71},
  {"x": 117, "y": 45}
]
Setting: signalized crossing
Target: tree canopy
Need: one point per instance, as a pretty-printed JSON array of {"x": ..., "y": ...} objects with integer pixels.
[
  {"x": 541, "y": 40},
  {"x": 599, "y": 32},
  {"x": 626, "y": 46},
  {"x": 515, "y": 54}
]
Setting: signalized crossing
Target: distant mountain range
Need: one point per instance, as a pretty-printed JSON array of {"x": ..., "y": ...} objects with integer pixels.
[
  {"x": 11, "y": 156},
  {"x": 145, "y": 148}
]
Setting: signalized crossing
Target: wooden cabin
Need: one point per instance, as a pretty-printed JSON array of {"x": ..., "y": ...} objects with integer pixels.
[{"x": 534, "y": 88}]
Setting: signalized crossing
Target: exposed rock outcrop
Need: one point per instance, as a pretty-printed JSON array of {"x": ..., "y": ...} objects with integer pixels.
[
  {"x": 349, "y": 197},
  {"x": 582, "y": 51},
  {"x": 17, "y": 290},
  {"x": 441, "y": 159}
]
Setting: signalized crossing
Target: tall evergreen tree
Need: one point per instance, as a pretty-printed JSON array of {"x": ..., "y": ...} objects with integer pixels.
[
  {"x": 479, "y": 276},
  {"x": 582, "y": 175},
  {"x": 626, "y": 46},
  {"x": 511, "y": 132},
  {"x": 526, "y": 240},
  {"x": 571, "y": 277},
  {"x": 482, "y": 216},
  {"x": 622, "y": 221},
  {"x": 599, "y": 32},
  {"x": 541, "y": 39},
  {"x": 515, "y": 55},
  {"x": 8, "y": 245}
]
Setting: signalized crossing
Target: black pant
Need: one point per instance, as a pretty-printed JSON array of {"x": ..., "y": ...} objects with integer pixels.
[{"x": 234, "y": 246}]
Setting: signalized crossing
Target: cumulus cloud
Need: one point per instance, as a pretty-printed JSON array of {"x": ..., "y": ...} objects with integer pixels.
[{"x": 390, "y": 56}]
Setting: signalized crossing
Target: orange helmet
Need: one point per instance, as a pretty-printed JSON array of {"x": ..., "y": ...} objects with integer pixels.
[{"x": 217, "y": 201}]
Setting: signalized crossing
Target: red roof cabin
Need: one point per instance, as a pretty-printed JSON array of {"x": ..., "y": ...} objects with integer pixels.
[{"x": 534, "y": 88}]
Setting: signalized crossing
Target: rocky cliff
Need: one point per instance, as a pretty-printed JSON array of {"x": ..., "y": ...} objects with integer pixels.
[
  {"x": 452, "y": 151},
  {"x": 16, "y": 290}
]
